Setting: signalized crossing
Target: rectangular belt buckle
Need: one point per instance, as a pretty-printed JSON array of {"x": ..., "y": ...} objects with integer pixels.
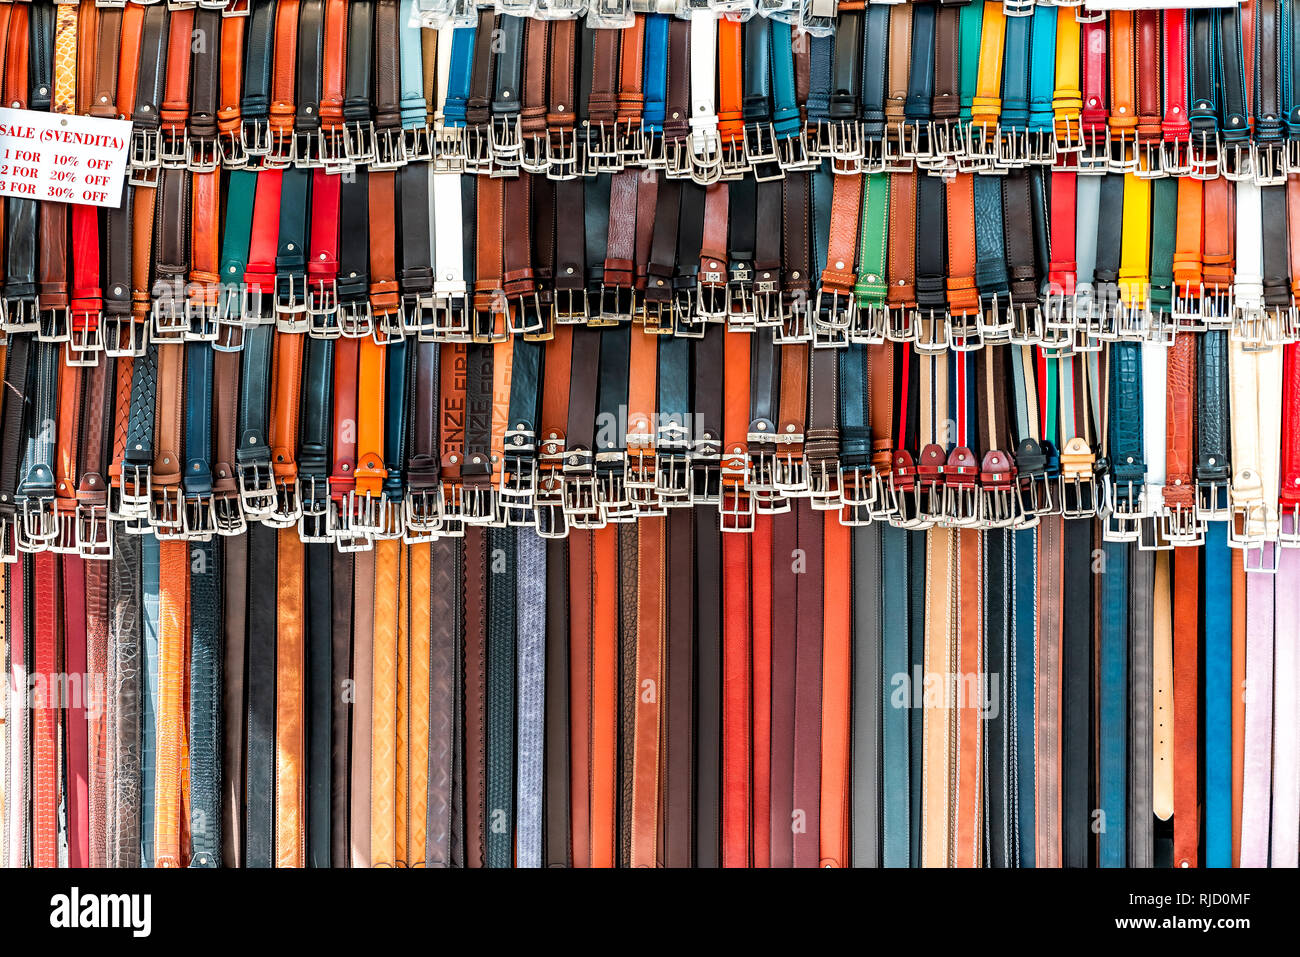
[
  {"x": 135, "y": 492},
  {"x": 170, "y": 318},
  {"x": 201, "y": 319},
  {"x": 173, "y": 152},
  {"x": 672, "y": 471},
  {"x": 228, "y": 514},
  {"x": 94, "y": 535},
  {"x": 450, "y": 321},
  {"x": 1203, "y": 156},
  {"x": 532, "y": 154},
  {"x": 290, "y": 302},
  {"x": 202, "y": 154},
  {"x": 355, "y": 319},
  {"x": 255, "y": 136},
  {"x": 282, "y": 149},
  {"x": 562, "y": 161},
  {"x": 417, "y": 144},
  {"x": 346, "y": 538},
  {"x": 287, "y": 508},
  {"x": 359, "y": 142},
  {"x": 54, "y": 324},
  {"x": 323, "y": 309},
  {"x": 167, "y": 512},
  {"x": 230, "y": 150},
  {"x": 256, "y": 489},
  {"x": 1237, "y": 161},
  {"x": 423, "y": 515},
  {"x": 416, "y": 312},
  {"x": 332, "y": 150},
  {"x": 85, "y": 342},
  {"x": 1125, "y": 506},
  {"x": 20, "y": 315},
  {"x": 38, "y": 527},
  {"x": 8, "y": 539},
  {"x": 198, "y": 517},
  {"x": 64, "y": 541},
  {"x": 548, "y": 507}
]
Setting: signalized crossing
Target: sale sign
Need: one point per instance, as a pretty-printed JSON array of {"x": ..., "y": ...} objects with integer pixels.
[{"x": 62, "y": 158}]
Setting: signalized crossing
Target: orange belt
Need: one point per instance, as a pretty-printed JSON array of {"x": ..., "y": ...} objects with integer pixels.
[
  {"x": 363, "y": 624},
  {"x": 970, "y": 720},
  {"x": 290, "y": 703},
  {"x": 418, "y": 625},
  {"x": 593, "y": 665},
  {"x": 647, "y": 720},
  {"x": 384, "y": 719},
  {"x": 761, "y": 661},
  {"x": 173, "y": 717}
]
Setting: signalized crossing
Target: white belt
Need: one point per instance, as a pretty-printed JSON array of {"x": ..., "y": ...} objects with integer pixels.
[
  {"x": 444, "y": 72},
  {"x": 704, "y": 65},
  {"x": 1248, "y": 282},
  {"x": 1155, "y": 364},
  {"x": 1255, "y": 377},
  {"x": 445, "y": 220}
]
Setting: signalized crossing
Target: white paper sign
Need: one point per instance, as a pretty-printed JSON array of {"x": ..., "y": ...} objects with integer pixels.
[
  {"x": 1158, "y": 4},
  {"x": 63, "y": 158}
]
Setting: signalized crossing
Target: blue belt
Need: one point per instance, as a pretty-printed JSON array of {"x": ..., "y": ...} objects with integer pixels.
[
  {"x": 414, "y": 108},
  {"x": 1024, "y": 655},
  {"x": 197, "y": 479},
  {"x": 1218, "y": 696},
  {"x": 460, "y": 74},
  {"x": 785, "y": 115},
  {"x": 654, "y": 83},
  {"x": 1042, "y": 70}
]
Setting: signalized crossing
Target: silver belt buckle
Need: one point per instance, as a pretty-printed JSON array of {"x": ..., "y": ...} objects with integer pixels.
[
  {"x": 94, "y": 534},
  {"x": 228, "y": 514},
  {"x": 323, "y": 309},
  {"x": 202, "y": 154},
  {"x": 53, "y": 324},
  {"x": 85, "y": 341},
  {"x": 256, "y": 489},
  {"x": 198, "y": 517}
]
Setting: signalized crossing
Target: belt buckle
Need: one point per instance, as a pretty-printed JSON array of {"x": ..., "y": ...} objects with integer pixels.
[
  {"x": 477, "y": 143},
  {"x": 346, "y": 538},
  {"x": 570, "y": 307},
  {"x": 53, "y": 324},
  {"x": 961, "y": 498},
  {"x": 842, "y": 140},
  {"x": 202, "y": 154},
  {"x": 359, "y": 142},
  {"x": 630, "y": 143},
  {"x": 860, "y": 491},
  {"x": 230, "y": 319},
  {"x": 677, "y": 158},
  {"x": 789, "y": 468},
  {"x": 920, "y": 142},
  {"x": 1012, "y": 147},
  {"x": 307, "y": 149},
  {"x": 895, "y": 151},
  {"x": 169, "y": 316},
  {"x": 1132, "y": 315},
  {"x": 1124, "y": 506},
  {"x": 201, "y": 320},
  {"x": 167, "y": 512},
  {"x": 282, "y": 149},
  {"x": 871, "y": 323},
  {"x": 999, "y": 501},
  {"x": 314, "y": 508},
  {"x": 228, "y": 514},
  {"x": 450, "y": 322},
  {"x": 1067, "y": 134},
  {"x": 834, "y": 311},
  {"x": 417, "y": 144},
  {"x": 672, "y": 470},
  {"x": 255, "y": 139},
  {"x": 94, "y": 534},
  {"x": 1175, "y": 157},
  {"x": 323, "y": 309},
  {"x": 332, "y": 149},
  {"x": 965, "y": 331},
  {"x": 1150, "y": 159},
  {"x": 173, "y": 149},
  {"x": 615, "y": 306},
  {"x": 1183, "y": 526},
  {"x": 824, "y": 484},
  {"x": 733, "y": 164},
  {"x": 38, "y": 528},
  {"x": 705, "y": 474},
  {"x": 367, "y": 513},
  {"x": 85, "y": 341},
  {"x": 146, "y": 146},
  {"x": 1026, "y": 324},
  {"x": 611, "y": 494},
  {"x": 562, "y": 154},
  {"x": 761, "y": 149},
  {"x": 930, "y": 330},
  {"x": 1270, "y": 166},
  {"x": 289, "y": 300},
  {"x": 1203, "y": 156},
  {"x": 1237, "y": 161},
  {"x": 448, "y": 149},
  {"x": 578, "y": 481},
  {"x": 1248, "y": 322},
  {"x": 653, "y": 155},
  {"x": 123, "y": 336},
  {"x": 996, "y": 322},
  {"x": 198, "y": 517},
  {"x": 19, "y": 315},
  {"x": 415, "y": 310},
  {"x": 792, "y": 152},
  {"x": 1122, "y": 148},
  {"x": 389, "y": 148},
  {"x": 1292, "y": 154},
  {"x": 64, "y": 541},
  {"x": 422, "y": 514},
  {"x": 762, "y": 464},
  {"x": 1260, "y": 557},
  {"x": 256, "y": 489},
  {"x": 8, "y": 538},
  {"x": 1087, "y": 327},
  {"x": 387, "y": 327},
  {"x": 287, "y": 508},
  {"x": 517, "y": 487},
  {"x": 532, "y": 153},
  {"x": 796, "y": 320},
  {"x": 484, "y": 327},
  {"x": 1218, "y": 304},
  {"x": 1093, "y": 157},
  {"x": 736, "y": 510},
  {"x": 356, "y": 321},
  {"x": 741, "y": 312},
  {"x": 1212, "y": 499},
  {"x": 1288, "y": 535},
  {"x": 1078, "y": 493}
]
